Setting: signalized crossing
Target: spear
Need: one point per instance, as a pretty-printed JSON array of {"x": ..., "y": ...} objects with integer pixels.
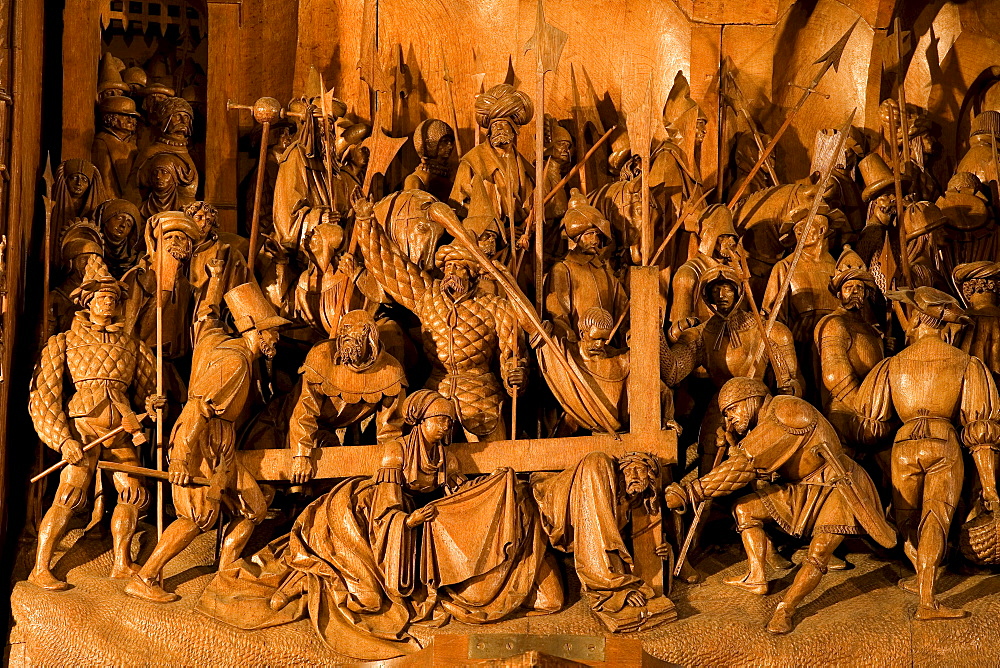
[
  {"x": 36, "y": 498},
  {"x": 736, "y": 100},
  {"x": 547, "y": 41},
  {"x": 581, "y": 117},
  {"x": 897, "y": 181},
  {"x": 448, "y": 80},
  {"x": 327, "y": 143},
  {"x": 829, "y": 59},
  {"x": 159, "y": 376},
  {"x": 797, "y": 255},
  {"x": 894, "y": 64}
]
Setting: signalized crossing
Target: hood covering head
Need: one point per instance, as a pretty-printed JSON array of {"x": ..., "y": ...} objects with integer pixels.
[{"x": 715, "y": 221}]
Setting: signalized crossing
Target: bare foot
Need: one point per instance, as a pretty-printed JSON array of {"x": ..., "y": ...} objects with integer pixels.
[
  {"x": 759, "y": 588},
  {"x": 938, "y": 611},
  {"x": 123, "y": 572},
  {"x": 781, "y": 620},
  {"x": 149, "y": 591},
  {"x": 46, "y": 580}
]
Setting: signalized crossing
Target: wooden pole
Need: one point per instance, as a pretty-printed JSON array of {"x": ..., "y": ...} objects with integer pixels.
[
  {"x": 265, "y": 137},
  {"x": 904, "y": 257},
  {"x": 539, "y": 207},
  {"x": 159, "y": 377}
]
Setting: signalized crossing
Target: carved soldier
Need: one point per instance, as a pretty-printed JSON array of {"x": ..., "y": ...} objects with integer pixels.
[
  {"x": 173, "y": 121},
  {"x": 301, "y": 190},
  {"x": 105, "y": 366},
  {"x": 119, "y": 221},
  {"x": 109, "y": 78},
  {"x": 203, "y": 441},
  {"x": 434, "y": 141},
  {"x": 716, "y": 248},
  {"x": 979, "y": 283},
  {"x": 881, "y": 200},
  {"x": 674, "y": 173},
  {"x": 606, "y": 371},
  {"x": 464, "y": 331},
  {"x": 558, "y": 154},
  {"x": 932, "y": 387},
  {"x": 970, "y": 228},
  {"x": 345, "y": 380},
  {"x": 728, "y": 345},
  {"x": 583, "y": 278},
  {"x": 494, "y": 181},
  {"x": 319, "y": 298},
  {"x": 808, "y": 297},
  {"x": 924, "y": 225},
  {"x": 136, "y": 79},
  {"x": 817, "y": 490},
  {"x": 849, "y": 346},
  {"x": 584, "y": 511},
  {"x": 81, "y": 242},
  {"x": 114, "y": 149},
  {"x": 981, "y": 159}
]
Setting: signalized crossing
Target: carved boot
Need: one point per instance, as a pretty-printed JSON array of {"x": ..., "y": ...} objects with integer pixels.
[
  {"x": 755, "y": 543},
  {"x": 123, "y": 523},
  {"x": 148, "y": 590}
]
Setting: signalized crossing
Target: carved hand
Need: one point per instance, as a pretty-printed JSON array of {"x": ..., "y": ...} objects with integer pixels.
[
  {"x": 663, "y": 550},
  {"x": 215, "y": 267},
  {"x": 178, "y": 473},
  {"x": 72, "y": 451},
  {"x": 362, "y": 207},
  {"x": 991, "y": 499},
  {"x": 154, "y": 402},
  {"x": 636, "y": 599},
  {"x": 681, "y": 325},
  {"x": 347, "y": 264},
  {"x": 421, "y": 515},
  {"x": 517, "y": 378},
  {"x": 302, "y": 470}
]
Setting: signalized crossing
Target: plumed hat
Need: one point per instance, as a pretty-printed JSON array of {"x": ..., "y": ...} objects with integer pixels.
[{"x": 850, "y": 267}]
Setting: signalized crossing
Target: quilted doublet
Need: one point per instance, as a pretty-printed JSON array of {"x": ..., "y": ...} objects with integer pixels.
[
  {"x": 100, "y": 355},
  {"x": 462, "y": 335}
]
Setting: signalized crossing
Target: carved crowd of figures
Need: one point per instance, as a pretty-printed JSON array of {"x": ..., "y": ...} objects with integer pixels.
[{"x": 826, "y": 345}]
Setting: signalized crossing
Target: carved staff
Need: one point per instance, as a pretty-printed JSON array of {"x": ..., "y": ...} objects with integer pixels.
[
  {"x": 87, "y": 448},
  {"x": 444, "y": 215},
  {"x": 897, "y": 180},
  {"x": 797, "y": 255},
  {"x": 36, "y": 497},
  {"x": 327, "y": 144},
  {"x": 893, "y": 64},
  {"x": 159, "y": 376},
  {"x": 525, "y": 238},
  {"x": 547, "y": 42},
  {"x": 829, "y": 59},
  {"x": 737, "y": 101},
  {"x": 448, "y": 80},
  {"x": 265, "y": 111},
  {"x": 149, "y": 473}
]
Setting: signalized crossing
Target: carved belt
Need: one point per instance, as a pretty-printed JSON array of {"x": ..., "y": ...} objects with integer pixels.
[{"x": 923, "y": 419}]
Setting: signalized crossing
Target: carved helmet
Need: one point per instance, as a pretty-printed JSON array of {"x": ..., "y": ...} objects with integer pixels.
[
  {"x": 721, "y": 274},
  {"x": 428, "y": 134},
  {"x": 850, "y": 267},
  {"x": 110, "y": 75},
  {"x": 716, "y": 221},
  {"x": 119, "y": 104},
  {"x": 81, "y": 237},
  {"x": 740, "y": 388},
  {"x": 581, "y": 217},
  {"x": 251, "y": 310},
  {"x": 922, "y": 218},
  {"x": 986, "y": 123}
]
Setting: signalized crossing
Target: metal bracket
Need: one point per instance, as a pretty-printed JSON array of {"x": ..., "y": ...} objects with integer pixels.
[{"x": 506, "y": 645}]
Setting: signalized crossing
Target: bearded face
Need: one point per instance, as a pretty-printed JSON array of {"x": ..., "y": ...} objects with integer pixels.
[
  {"x": 179, "y": 125},
  {"x": 457, "y": 279},
  {"x": 852, "y": 295},
  {"x": 122, "y": 122},
  {"x": 267, "y": 340},
  {"x": 352, "y": 344},
  {"x": 740, "y": 416},
  {"x": 637, "y": 478},
  {"x": 501, "y": 134},
  {"x": 177, "y": 245}
]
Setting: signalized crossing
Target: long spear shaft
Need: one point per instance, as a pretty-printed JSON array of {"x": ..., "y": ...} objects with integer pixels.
[
  {"x": 159, "y": 377},
  {"x": 258, "y": 193},
  {"x": 830, "y": 59},
  {"x": 799, "y": 245},
  {"x": 904, "y": 257}
]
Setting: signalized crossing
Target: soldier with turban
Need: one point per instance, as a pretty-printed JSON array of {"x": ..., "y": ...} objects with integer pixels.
[{"x": 494, "y": 181}]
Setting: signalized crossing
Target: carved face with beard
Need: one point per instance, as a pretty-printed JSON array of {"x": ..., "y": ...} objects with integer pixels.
[
  {"x": 852, "y": 295},
  {"x": 458, "y": 278},
  {"x": 357, "y": 339},
  {"x": 501, "y": 134},
  {"x": 178, "y": 245}
]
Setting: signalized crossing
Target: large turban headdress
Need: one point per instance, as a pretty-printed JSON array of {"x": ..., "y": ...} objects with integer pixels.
[{"x": 503, "y": 101}]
